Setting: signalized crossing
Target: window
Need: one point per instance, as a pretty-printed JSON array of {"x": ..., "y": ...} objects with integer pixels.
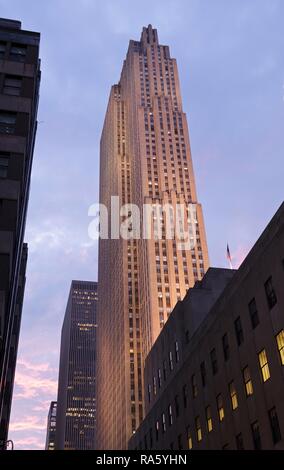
[
  {"x": 7, "y": 122},
  {"x": 165, "y": 370},
  {"x": 203, "y": 373},
  {"x": 177, "y": 405},
  {"x": 226, "y": 349},
  {"x": 209, "y": 419},
  {"x": 256, "y": 435},
  {"x": 4, "y": 163},
  {"x": 180, "y": 447},
  {"x": 214, "y": 362},
  {"x": 239, "y": 442},
  {"x": 263, "y": 362},
  {"x": 2, "y": 49},
  {"x": 274, "y": 424},
  {"x": 198, "y": 429},
  {"x": 220, "y": 407},
  {"x": 189, "y": 438},
  {"x": 170, "y": 415},
  {"x": 177, "y": 351},
  {"x": 149, "y": 393},
  {"x": 184, "y": 394},
  {"x": 270, "y": 293},
  {"x": 12, "y": 85},
  {"x": 253, "y": 313},
  {"x": 154, "y": 386},
  {"x": 18, "y": 52},
  {"x": 247, "y": 381},
  {"x": 171, "y": 364},
  {"x": 280, "y": 345},
  {"x": 233, "y": 395},
  {"x": 157, "y": 430},
  {"x": 194, "y": 386},
  {"x": 239, "y": 331},
  {"x": 164, "y": 428},
  {"x": 159, "y": 378}
]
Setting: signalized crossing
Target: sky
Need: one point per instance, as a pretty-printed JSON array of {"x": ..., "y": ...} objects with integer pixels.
[{"x": 231, "y": 66}]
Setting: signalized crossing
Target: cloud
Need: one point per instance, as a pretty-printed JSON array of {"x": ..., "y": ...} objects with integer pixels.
[
  {"x": 29, "y": 443},
  {"x": 30, "y": 423}
]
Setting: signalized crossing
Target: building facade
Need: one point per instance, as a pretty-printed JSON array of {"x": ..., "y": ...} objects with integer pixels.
[
  {"x": 214, "y": 378},
  {"x": 19, "y": 93},
  {"x": 51, "y": 427},
  {"x": 76, "y": 400},
  {"x": 145, "y": 159}
]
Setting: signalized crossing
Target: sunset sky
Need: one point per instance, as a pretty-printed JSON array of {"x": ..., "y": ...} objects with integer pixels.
[{"x": 231, "y": 65}]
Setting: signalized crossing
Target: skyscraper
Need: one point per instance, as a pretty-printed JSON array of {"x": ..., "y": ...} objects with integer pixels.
[
  {"x": 19, "y": 93},
  {"x": 51, "y": 427},
  {"x": 76, "y": 402},
  {"x": 145, "y": 159}
]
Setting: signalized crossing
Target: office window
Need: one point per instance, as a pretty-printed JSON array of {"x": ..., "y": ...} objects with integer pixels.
[
  {"x": 194, "y": 386},
  {"x": 7, "y": 122},
  {"x": 220, "y": 407},
  {"x": 180, "y": 447},
  {"x": 189, "y": 438},
  {"x": 209, "y": 419},
  {"x": 164, "y": 428},
  {"x": 165, "y": 369},
  {"x": 280, "y": 345},
  {"x": 170, "y": 415},
  {"x": 198, "y": 429},
  {"x": 270, "y": 293},
  {"x": 233, "y": 395},
  {"x": 177, "y": 351},
  {"x": 226, "y": 348},
  {"x": 247, "y": 381},
  {"x": 256, "y": 435},
  {"x": 177, "y": 405},
  {"x": 171, "y": 364},
  {"x": 239, "y": 442},
  {"x": 18, "y": 52},
  {"x": 159, "y": 378},
  {"x": 263, "y": 362},
  {"x": 2, "y": 49},
  {"x": 253, "y": 313},
  {"x": 239, "y": 331},
  {"x": 214, "y": 362},
  {"x": 203, "y": 373},
  {"x": 12, "y": 85},
  {"x": 4, "y": 163},
  {"x": 184, "y": 394},
  {"x": 157, "y": 430},
  {"x": 274, "y": 424}
]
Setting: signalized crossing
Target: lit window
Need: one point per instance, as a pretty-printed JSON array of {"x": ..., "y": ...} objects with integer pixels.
[
  {"x": 170, "y": 415},
  {"x": 263, "y": 362},
  {"x": 247, "y": 381},
  {"x": 164, "y": 428},
  {"x": 270, "y": 293},
  {"x": 280, "y": 345},
  {"x": 233, "y": 395},
  {"x": 209, "y": 419},
  {"x": 171, "y": 361},
  {"x": 189, "y": 438},
  {"x": 220, "y": 407},
  {"x": 198, "y": 429}
]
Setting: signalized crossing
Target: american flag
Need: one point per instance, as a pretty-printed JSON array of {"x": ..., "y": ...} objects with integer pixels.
[{"x": 229, "y": 256}]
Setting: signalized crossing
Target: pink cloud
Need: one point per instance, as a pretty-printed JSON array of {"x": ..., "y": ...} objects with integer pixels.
[
  {"x": 29, "y": 386},
  {"x": 27, "y": 424},
  {"x": 29, "y": 442}
]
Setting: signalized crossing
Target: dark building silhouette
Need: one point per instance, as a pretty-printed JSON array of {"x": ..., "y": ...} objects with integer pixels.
[
  {"x": 19, "y": 93},
  {"x": 214, "y": 378},
  {"x": 76, "y": 400},
  {"x": 51, "y": 426}
]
